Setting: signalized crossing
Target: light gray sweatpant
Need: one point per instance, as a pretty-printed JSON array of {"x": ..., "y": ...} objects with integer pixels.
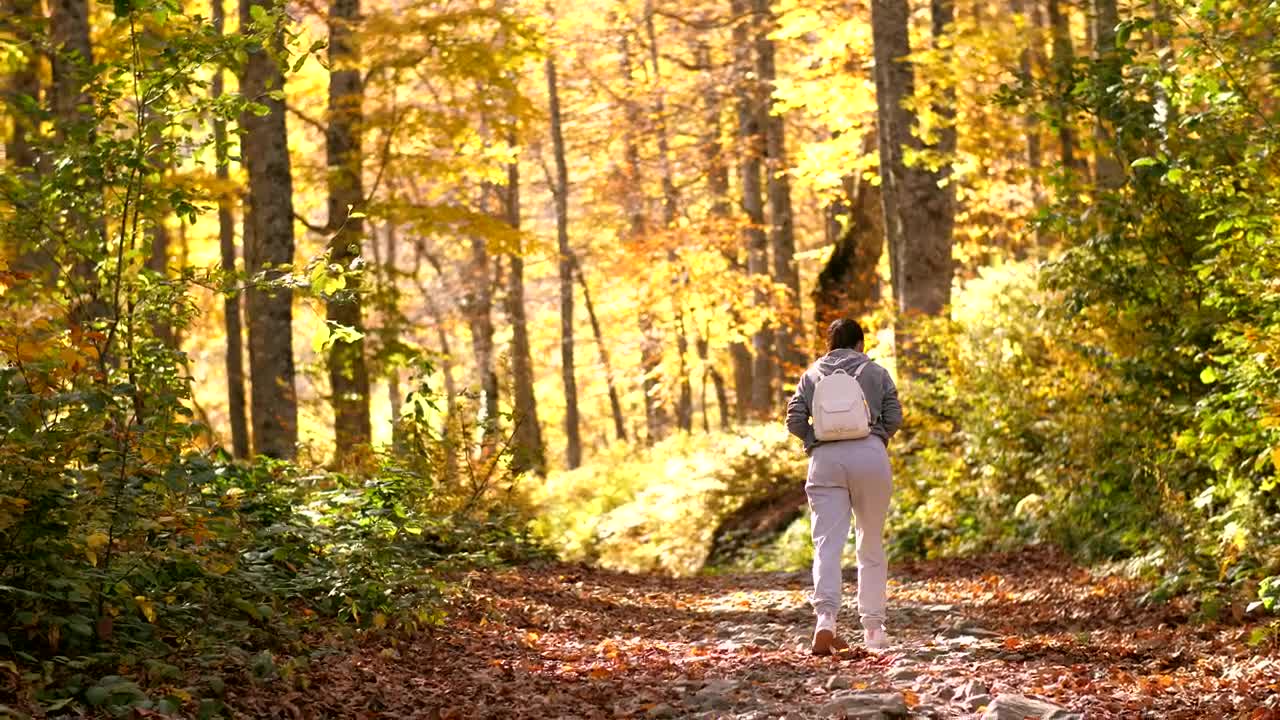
[{"x": 850, "y": 476}]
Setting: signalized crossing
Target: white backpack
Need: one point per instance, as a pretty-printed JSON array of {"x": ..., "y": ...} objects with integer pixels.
[{"x": 840, "y": 410}]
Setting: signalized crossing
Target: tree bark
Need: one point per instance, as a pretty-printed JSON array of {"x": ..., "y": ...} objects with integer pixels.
[
  {"x": 782, "y": 234},
  {"x": 670, "y": 209},
  {"x": 753, "y": 141},
  {"x": 848, "y": 285},
  {"x": 479, "y": 304},
  {"x": 21, "y": 82},
  {"x": 572, "y": 422},
  {"x": 721, "y": 211},
  {"x": 917, "y": 212},
  {"x": 615, "y": 405},
  {"x": 85, "y": 232},
  {"x": 530, "y": 452},
  {"x": 655, "y": 411},
  {"x": 230, "y": 300},
  {"x": 72, "y": 56},
  {"x": 348, "y": 371},
  {"x": 1063, "y": 59},
  {"x": 1027, "y": 60},
  {"x": 1109, "y": 174},
  {"x": 268, "y": 247}
]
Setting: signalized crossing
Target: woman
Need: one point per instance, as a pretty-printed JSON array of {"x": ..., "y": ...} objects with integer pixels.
[{"x": 848, "y": 475}]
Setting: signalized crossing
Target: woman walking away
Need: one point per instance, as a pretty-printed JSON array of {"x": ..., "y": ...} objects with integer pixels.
[{"x": 845, "y": 410}]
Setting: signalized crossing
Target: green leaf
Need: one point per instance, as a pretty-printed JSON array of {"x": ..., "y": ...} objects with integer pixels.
[
  {"x": 1144, "y": 162},
  {"x": 320, "y": 341},
  {"x": 1208, "y": 375}
]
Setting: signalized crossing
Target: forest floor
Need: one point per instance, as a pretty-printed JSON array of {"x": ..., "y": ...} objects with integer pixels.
[{"x": 567, "y": 641}]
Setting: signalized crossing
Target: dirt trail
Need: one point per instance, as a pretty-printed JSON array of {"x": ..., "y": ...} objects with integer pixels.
[{"x": 573, "y": 642}]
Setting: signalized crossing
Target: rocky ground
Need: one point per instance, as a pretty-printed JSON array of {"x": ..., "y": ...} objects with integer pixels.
[{"x": 998, "y": 638}]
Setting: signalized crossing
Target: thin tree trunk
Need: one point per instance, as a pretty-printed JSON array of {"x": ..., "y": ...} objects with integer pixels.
[
  {"x": 615, "y": 405},
  {"x": 479, "y": 304},
  {"x": 573, "y": 449},
  {"x": 1108, "y": 172},
  {"x": 1063, "y": 59},
  {"x": 670, "y": 209},
  {"x": 753, "y": 142},
  {"x": 22, "y": 81},
  {"x": 1027, "y": 60},
  {"x": 721, "y": 211},
  {"x": 70, "y": 63},
  {"x": 650, "y": 341},
  {"x": 782, "y": 234},
  {"x": 268, "y": 242},
  {"x": 348, "y": 371},
  {"x": 230, "y": 300},
  {"x": 917, "y": 212},
  {"x": 722, "y": 398},
  {"x": 391, "y": 326},
  {"x": 530, "y": 452}
]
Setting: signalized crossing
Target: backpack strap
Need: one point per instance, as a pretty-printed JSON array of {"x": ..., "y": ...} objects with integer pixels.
[{"x": 861, "y": 367}]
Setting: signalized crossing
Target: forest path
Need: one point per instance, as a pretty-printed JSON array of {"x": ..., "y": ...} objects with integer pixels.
[{"x": 574, "y": 642}]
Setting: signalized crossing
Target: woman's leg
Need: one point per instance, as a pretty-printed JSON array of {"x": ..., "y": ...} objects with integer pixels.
[
  {"x": 870, "y": 491},
  {"x": 830, "y": 506}
]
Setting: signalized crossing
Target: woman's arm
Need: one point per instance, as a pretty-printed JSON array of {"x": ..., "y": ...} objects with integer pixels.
[{"x": 798, "y": 413}]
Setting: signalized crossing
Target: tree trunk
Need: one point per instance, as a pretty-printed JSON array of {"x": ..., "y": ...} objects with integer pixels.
[
  {"x": 22, "y": 81},
  {"x": 72, "y": 56},
  {"x": 782, "y": 234},
  {"x": 348, "y": 371},
  {"x": 70, "y": 62},
  {"x": 391, "y": 326},
  {"x": 848, "y": 285},
  {"x": 1063, "y": 59},
  {"x": 721, "y": 210},
  {"x": 917, "y": 212},
  {"x": 615, "y": 405},
  {"x": 572, "y": 422},
  {"x": 670, "y": 209},
  {"x": 753, "y": 142},
  {"x": 479, "y": 304},
  {"x": 230, "y": 300},
  {"x": 655, "y": 412},
  {"x": 1109, "y": 174},
  {"x": 1027, "y": 60},
  {"x": 530, "y": 452},
  {"x": 268, "y": 244}
]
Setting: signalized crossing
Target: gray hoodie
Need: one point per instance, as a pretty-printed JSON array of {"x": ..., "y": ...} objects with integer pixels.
[{"x": 881, "y": 393}]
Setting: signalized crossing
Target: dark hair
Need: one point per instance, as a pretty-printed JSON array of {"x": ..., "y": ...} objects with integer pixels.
[{"x": 844, "y": 333}]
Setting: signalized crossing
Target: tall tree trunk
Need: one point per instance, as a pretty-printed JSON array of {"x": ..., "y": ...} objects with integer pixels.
[
  {"x": 391, "y": 324},
  {"x": 615, "y": 405},
  {"x": 530, "y": 452},
  {"x": 85, "y": 232},
  {"x": 916, "y": 210},
  {"x": 655, "y": 412},
  {"x": 572, "y": 422},
  {"x": 479, "y": 305},
  {"x": 721, "y": 210},
  {"x": 1063, "y": 59},
  {"x": 268, "y": 242},
  {"x": 782, "y": 234},
  {"x": 753, "y": 145},
  {"x": 230, "y": 300},
  {"x": 22, "y": 81},
  {"x": 670, "y": 209},
  {"x": 1109, "y": 174},
  {"x": 1027, "y": 60},
  {"x": 848, "y": 285},
  {"x": 348, "y": 371}
]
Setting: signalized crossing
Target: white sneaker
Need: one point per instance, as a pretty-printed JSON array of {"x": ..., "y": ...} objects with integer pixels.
[
  {"x": 875, "y": 639},
  {"x": 824, "y": 635}
]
